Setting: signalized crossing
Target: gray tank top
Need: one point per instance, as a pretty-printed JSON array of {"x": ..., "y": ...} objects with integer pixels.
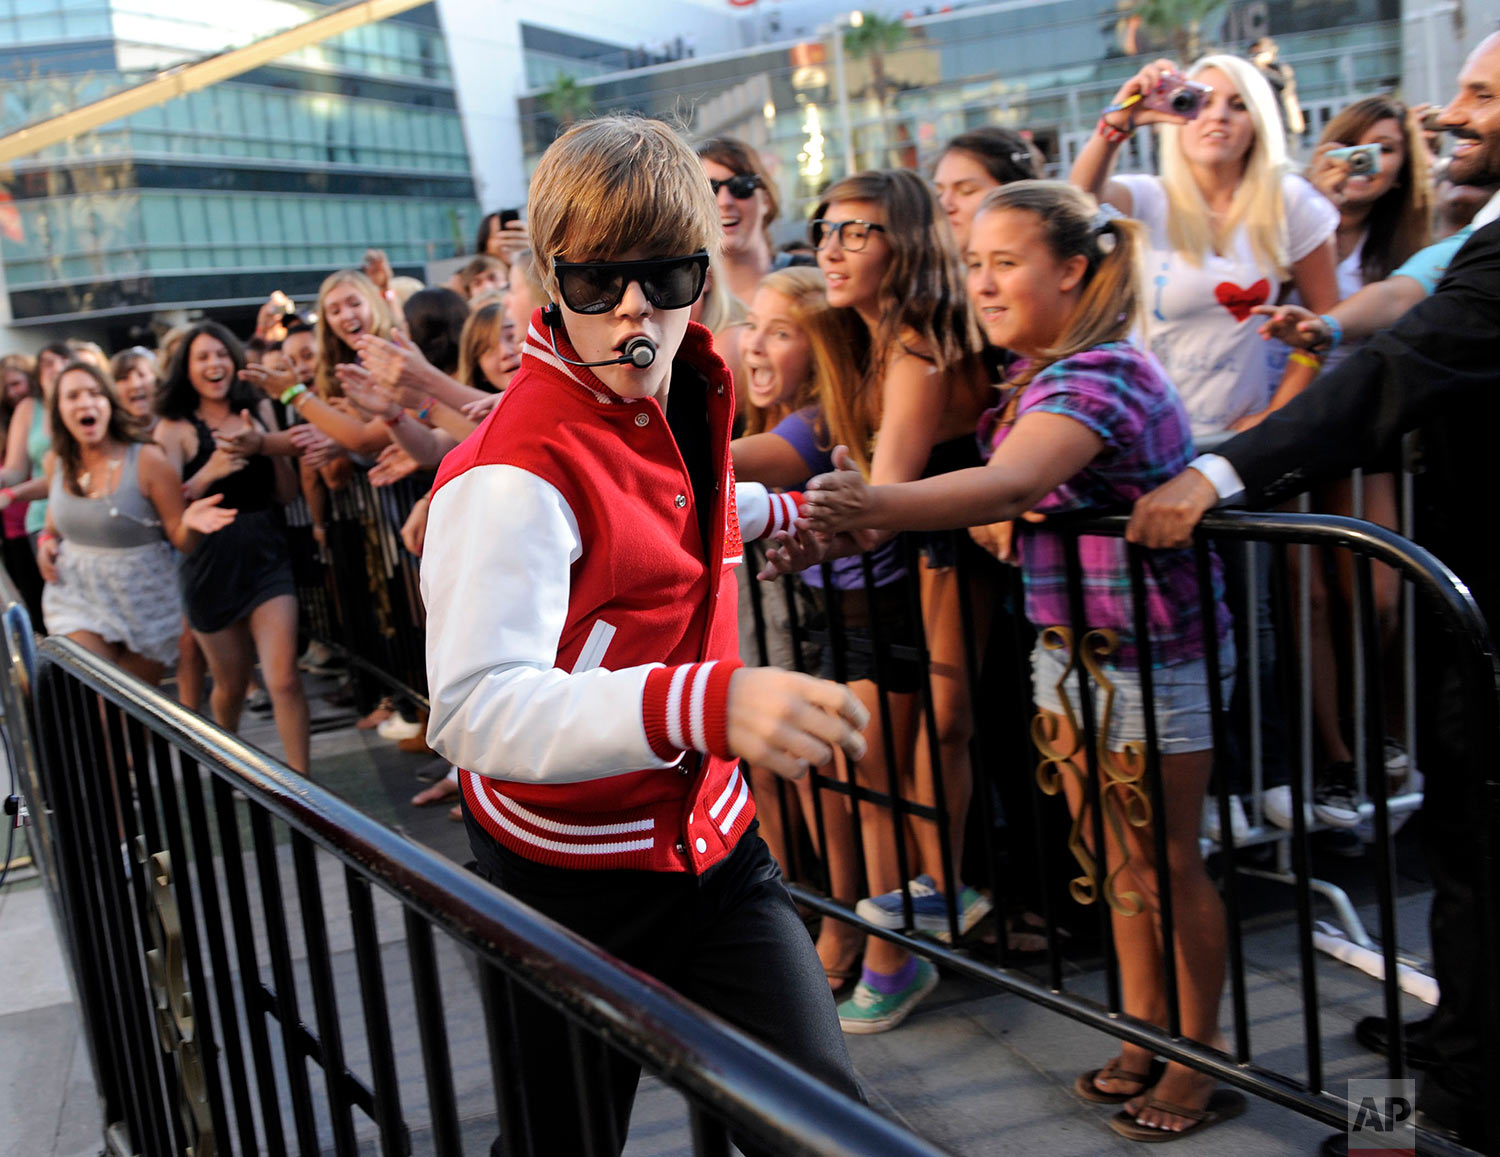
[{"x": 125, "y": 518}]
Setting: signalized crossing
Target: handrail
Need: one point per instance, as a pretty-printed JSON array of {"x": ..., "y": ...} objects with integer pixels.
[
  {"x": 1367, "y": 538},
  {"x": 730, "y": 1073}
]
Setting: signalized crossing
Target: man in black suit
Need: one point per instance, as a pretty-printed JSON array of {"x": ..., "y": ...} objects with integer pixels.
[{"x": 1436, "y": 370}]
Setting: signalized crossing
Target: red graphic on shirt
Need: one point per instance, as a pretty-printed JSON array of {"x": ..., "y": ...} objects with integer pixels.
[{"x": 1241, "y": 301}]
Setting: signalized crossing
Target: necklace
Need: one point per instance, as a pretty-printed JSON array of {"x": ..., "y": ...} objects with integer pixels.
[{"x": 106, "y": 486}]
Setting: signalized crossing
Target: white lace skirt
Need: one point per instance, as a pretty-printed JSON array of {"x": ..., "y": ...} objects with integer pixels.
[{"x": 125, "y": 595}]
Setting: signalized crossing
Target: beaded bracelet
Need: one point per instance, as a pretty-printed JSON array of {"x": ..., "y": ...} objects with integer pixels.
[
  {"x": 426, "y": 409},
  {"x": 291, "y": 393},
  {"x": 1335, "y": 330}
]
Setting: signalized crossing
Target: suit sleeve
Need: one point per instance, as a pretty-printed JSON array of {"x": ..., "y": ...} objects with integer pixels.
[
  {"x": 1440, "y": 352},
  {"x": 496, "y": 569}
]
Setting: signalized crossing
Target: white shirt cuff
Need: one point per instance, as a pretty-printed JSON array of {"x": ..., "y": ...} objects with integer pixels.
[{"x": 1224, "y": 478}]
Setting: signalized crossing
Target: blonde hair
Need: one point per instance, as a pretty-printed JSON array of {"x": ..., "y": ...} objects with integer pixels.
[
  {"x": 614, "y": 185},
  {"x": 332, "y": 349},
  {"x": 1257, "y": 203},
  {"x": 530, "y": 270},
  {"x": 167, "y": 348},
  {"x": 1111, "y": 302},
  {"x": 718, "y": 308},
  {"x": 833, "y": 366},
  {"x": 87, "y": 351},
  {"x": 481, "y": 333}
]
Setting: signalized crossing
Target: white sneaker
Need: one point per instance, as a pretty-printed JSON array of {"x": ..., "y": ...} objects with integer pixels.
[
  {"x": 1397, "y": 766},
  {"x": 1276, "y": 803},
  {"x": 1238, "y": 824},
  {"x": 397, "y": 728}
]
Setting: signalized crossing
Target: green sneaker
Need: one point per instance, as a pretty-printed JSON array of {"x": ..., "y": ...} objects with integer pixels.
[{"x": 868, "y": 1011}]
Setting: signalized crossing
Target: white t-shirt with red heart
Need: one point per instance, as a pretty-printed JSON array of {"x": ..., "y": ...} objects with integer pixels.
[{"x": 1200, "y": 325}]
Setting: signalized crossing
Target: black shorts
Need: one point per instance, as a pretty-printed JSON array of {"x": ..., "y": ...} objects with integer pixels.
[{"x": 848, "y": 655}]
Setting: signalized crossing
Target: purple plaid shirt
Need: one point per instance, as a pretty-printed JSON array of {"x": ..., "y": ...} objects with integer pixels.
[{"x": 1122, "y": 395}]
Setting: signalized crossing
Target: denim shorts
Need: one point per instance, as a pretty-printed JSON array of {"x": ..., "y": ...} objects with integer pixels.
[{"x": 1180, "y": 693}]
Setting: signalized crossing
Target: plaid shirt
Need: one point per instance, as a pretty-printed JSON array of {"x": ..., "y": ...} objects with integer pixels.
[{"x": 1121, "y": 395}]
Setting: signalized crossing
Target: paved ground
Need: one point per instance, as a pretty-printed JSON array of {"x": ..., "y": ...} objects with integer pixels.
[{"x": 976, "y": 1070}]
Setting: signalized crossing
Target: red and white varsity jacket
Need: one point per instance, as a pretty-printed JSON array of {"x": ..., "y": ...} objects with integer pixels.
[{"x": 580, "y": 634}]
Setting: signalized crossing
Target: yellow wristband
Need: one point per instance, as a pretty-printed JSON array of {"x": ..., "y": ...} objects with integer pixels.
[{"x": 1302, "y": 358}]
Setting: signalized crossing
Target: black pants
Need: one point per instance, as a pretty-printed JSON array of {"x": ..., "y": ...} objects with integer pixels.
[
  {"x": 730, "y": 940},
  {"x": 1455, "y": 758}
]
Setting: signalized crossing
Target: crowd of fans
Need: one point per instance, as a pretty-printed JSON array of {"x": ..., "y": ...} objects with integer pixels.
[{"x": 922, "y": 331}]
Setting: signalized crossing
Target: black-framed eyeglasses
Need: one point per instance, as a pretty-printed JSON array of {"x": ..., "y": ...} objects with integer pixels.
[
  {"x": 741, "y": 186},
  {"x": 853, "y": 235},
  {"x": 598, "y": 286}
]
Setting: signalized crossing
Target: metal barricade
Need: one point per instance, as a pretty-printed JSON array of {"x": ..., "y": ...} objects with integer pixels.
[
  {"x": 362, "y": 595},
  {"x": 230, "y": 1008},
  {"x": 996, "y": 751}
]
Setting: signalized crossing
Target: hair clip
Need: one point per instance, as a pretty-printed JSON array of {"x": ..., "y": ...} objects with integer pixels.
[{"x": 1103, "y": 216}]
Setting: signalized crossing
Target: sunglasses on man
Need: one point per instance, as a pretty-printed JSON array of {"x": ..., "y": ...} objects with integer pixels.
[
  {"x": 741, "y": 186},
  {"x": 598, "y": 286}
]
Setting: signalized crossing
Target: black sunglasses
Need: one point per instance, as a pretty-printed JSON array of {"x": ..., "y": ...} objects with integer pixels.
[
  {"x": 598, "y": 286},
  {"x": 741, "y": 186}
]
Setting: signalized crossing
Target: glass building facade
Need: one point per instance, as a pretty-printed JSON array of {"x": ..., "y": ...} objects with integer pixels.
[
  {"x": 1046, "y": 66},
  {"x": 212, "y": 199}
]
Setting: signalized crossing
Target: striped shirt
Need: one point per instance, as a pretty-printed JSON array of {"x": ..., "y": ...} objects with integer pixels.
[{"x": 1121, "y": 395}]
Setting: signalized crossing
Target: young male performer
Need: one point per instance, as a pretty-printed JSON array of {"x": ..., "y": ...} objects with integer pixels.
[{"x": 582, "y": 646}]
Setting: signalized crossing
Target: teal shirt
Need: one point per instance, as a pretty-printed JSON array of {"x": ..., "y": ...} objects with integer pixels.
[
  {"x": 38, "y": 442},
  {"x": 1427, "y": 266}
]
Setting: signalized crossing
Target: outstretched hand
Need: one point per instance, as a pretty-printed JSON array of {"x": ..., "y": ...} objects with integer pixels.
[
  {"x": 1294, "y": 325},
  {"x": 790, "y": 722},
  {"x": 479, "y": 408},
  {"x": 206, "y": 516},
  {"x": 274, "y": 380},
  {"x": 396, "y": 364},
  {"x": 366, "y": 391},
  {"x": 317, "y": 448},
  {"x": 838, "y": 500},
  {"x": 246, "y": 442},
  {"x": 392, "y": 465},
  {"x": 791, "y": 552}
]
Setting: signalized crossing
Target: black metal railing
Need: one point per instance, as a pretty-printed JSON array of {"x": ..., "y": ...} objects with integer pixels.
[
  {"x": 235, "y": 935},
  {"x": 1022, "y": 859},
  {"x": 361, "y": 594},
  {"x": 1001, "y": 751}
]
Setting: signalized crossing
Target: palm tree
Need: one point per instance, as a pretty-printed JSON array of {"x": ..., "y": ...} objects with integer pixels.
[
  {"x": 1178, "y": 23},
  {"x": 871, "y": 39},
  {"x": 566, "y": 100}
]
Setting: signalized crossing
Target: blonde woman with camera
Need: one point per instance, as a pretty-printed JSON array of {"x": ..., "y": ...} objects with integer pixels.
[{"x": 1229, "y": 228}]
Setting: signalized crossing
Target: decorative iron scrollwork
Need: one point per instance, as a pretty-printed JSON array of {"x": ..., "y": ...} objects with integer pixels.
[
  {"x": 175, "y": 1020},
  {"x": 1122, "y": 792}
]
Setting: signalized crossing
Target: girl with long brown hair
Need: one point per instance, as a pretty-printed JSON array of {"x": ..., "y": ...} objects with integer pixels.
[
  {"x": 891, "y": 264},
  {"x": 116, "y": 516},
  {"x": 1093, "y": 423}
]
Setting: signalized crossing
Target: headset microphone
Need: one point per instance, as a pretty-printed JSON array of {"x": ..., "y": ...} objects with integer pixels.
[{"x": 640, "y": 351}]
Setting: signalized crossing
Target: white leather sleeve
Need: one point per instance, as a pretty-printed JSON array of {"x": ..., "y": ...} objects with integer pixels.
[
  {"x": 495, "y": 579},
  {"x": 760, "y": 512}
]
